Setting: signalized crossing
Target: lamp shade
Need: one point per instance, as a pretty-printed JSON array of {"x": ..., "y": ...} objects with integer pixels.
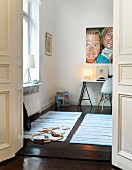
[
  {"x": 88, "y": 72},
  {"x": 31, "y": 61}
]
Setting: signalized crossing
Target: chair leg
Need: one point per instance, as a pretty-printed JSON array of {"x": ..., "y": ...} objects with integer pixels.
[
  {"x": 110, "y": 97},
  {"x": 100, "y": 100},
  {"x": 103, "y": 101}
]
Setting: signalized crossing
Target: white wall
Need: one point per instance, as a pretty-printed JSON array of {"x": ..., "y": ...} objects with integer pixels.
[
  {"x": 46, "y": 62},
  {"x": 37, "y": 102},
  {"x": 72, "y": 17}
]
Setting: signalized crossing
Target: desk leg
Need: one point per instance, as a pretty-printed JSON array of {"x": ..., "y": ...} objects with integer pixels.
[
  {"x": 82, "y": 93},
  {"x": 84, "y": 88},
  {"x": 88, "y": 95}
]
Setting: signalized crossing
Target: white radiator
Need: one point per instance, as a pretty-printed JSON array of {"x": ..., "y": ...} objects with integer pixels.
[{"x": 32, "y": 103}]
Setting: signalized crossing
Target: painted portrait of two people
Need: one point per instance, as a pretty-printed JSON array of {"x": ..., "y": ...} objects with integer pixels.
[{"x": 99, "y": 45}]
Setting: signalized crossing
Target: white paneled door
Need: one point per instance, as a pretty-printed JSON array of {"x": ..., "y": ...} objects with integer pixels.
[
  {"x": 122, "y": 92},
  {"x": 11, "y": 128}
]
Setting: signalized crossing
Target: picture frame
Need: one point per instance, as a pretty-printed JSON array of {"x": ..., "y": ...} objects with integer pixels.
[
  {"x": 99, "y": 45},
  {"x": 102, "y": 72},
  {"x": 48, "y": 44}
]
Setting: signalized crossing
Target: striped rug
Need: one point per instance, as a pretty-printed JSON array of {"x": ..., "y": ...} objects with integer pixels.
[
  {"x": 95, "y": 129},
  {"x": 54, "y": 119}
]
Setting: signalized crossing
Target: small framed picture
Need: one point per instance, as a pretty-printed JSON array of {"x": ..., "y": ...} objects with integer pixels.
[
  {"x": 48, "y": 44},
  {"x": 102, "y": 72}
]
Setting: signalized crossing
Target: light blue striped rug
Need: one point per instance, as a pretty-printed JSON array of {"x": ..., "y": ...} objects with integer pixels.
[
  {"x": 54, "y": 119},
  {"x": 95, "y": 129}
]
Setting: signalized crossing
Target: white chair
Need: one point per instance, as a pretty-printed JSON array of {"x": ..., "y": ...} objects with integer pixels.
[{"x": 106, "y": 92}]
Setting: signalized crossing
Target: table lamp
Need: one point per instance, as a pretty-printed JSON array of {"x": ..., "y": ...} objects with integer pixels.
[
  {"x": 87, "y": 73},
  {"x": 30, "y": 64}
]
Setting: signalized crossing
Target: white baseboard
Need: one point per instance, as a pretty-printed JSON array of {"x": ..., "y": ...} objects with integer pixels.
[{"x": 47, "y": 106}]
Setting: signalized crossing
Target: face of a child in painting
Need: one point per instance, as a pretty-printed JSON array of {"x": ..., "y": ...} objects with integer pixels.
[
  {"x": 92, "y": 47},
  {"x": 108, "y": 38}
]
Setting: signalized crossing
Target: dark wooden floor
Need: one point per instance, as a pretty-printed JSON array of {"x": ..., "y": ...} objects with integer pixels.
[
  {"x": 63, "y": 155},
  {"x": 37, "y": 163}
]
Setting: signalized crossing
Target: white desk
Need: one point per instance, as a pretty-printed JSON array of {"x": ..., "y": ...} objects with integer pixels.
[{"x": 85, "y": 89}]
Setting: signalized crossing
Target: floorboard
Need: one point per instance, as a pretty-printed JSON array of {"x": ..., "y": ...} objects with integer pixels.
[{"x": 38, "y": 163}]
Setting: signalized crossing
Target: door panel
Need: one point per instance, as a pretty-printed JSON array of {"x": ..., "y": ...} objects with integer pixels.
[
  {"x": 125, "y": 107},
  {"x": 10, "y": 85},
  {"x": 125, "y": 73},
  {"x": 122, "y": 81},
  {"x": 4, "y": 28},
  {"x": 4, "y": 121},
  {"x": 125, "y": 31}
]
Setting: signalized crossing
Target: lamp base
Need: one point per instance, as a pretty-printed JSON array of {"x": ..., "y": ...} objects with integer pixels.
[
  {"x": 29, "y": 76},
  {"x": 87, "y": 78}
]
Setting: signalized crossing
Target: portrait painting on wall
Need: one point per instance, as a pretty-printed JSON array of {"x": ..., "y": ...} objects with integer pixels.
[{"x": 99, "y": 45}]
